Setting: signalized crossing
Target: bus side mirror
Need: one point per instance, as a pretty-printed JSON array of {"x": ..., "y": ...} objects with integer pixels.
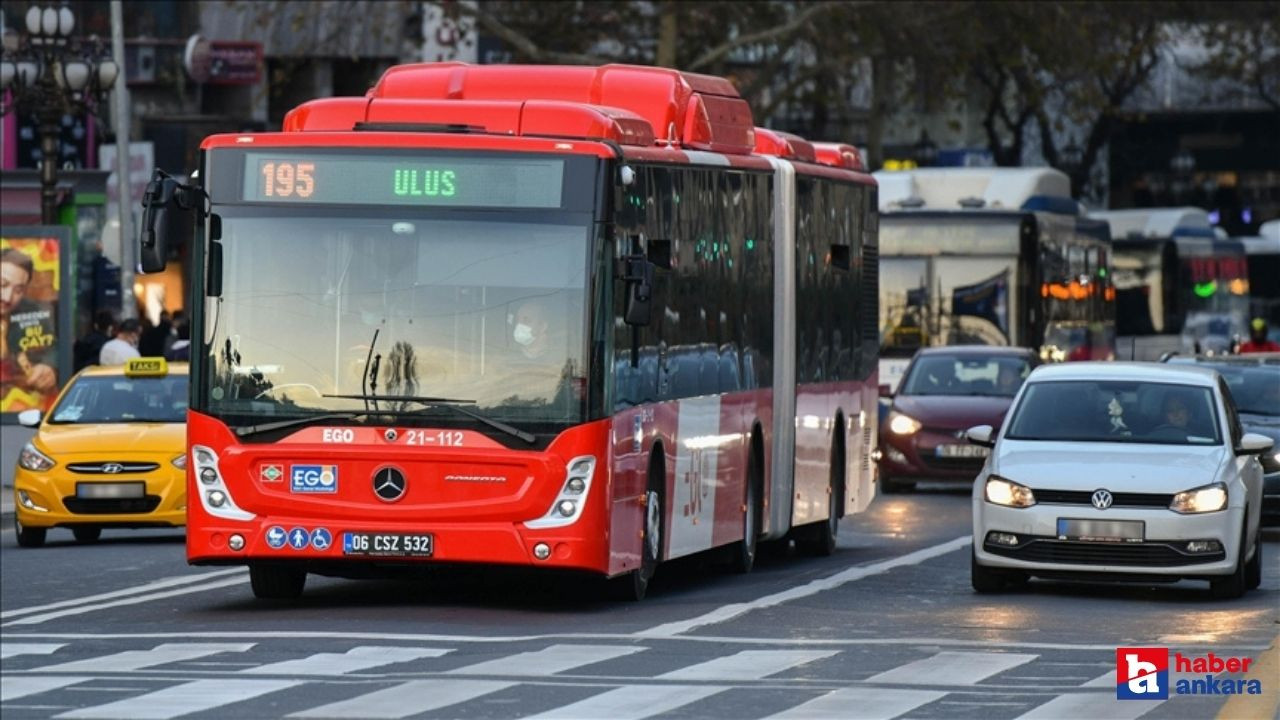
[
  {"x": 169, "y": 212},
  {"x": 638, "y": 274}
]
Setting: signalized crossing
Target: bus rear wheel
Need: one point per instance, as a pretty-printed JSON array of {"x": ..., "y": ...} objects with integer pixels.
[
  {"x": 744, "y": 551},
  {"x": 820, "y": 538},
  {"x": 276, "y": 582}
]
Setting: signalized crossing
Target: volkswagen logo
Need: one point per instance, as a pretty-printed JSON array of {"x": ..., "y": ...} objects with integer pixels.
[
  {"x": 112, "y": 468},
  {"x": 1101, "y": 499},
  {"x": 389, "y": 484}
]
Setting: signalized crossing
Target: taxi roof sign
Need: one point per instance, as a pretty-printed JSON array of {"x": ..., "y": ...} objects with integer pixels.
[{"x": 146, "y": 367}]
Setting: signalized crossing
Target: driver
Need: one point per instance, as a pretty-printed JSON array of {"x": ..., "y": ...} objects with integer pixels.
[{"x": 1176, "y": 412}]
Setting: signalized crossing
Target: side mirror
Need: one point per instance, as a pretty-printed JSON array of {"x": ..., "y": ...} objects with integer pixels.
[
  {"x": 981, "y": 435},
  {"x": 886, "y": 390},
  {"x": 169, "y": 213},
  {"x": 29, "y": 418},
  {"x": 1250, "y": 444},
  {"x": 638, "y": 274}
]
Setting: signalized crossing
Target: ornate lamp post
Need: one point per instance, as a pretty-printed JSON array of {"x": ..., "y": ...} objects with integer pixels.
[{"x": 49, "y": 73}]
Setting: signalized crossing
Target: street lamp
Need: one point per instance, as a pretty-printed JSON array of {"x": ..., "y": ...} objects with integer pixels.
[{"x": 49, "y": 73}]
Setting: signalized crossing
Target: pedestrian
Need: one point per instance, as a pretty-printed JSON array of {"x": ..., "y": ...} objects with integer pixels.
[
  {"x": 1258, "y": 341},
  {"x": 153, "y": 338},
  {"x": 124, "y": 346},
  {"x": 180, "y": 349},
  {"x": 88, "y": 348}
]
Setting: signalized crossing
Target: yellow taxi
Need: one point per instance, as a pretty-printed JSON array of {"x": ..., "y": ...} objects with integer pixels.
[{"x": 111, "y": 453}]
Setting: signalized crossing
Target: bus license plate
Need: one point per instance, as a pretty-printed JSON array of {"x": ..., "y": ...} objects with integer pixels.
[
  {"x": 388, "y": 544},
  {"x": 1101, "y": 530}
]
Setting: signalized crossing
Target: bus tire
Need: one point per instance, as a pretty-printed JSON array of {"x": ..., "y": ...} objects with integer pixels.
[
  {"x": 820, "y": 538},
  {"x": 28, "y": 537},
  {"x": 85, "y": 535},
  {"x": 276, "y": 582},
  {"x": 745, "y": 550},
  {"x": 635, "y": 585}
]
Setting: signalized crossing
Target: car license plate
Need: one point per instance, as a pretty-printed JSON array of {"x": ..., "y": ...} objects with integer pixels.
[
  {"x": 1101, "y": 530},
  {"x": 110, "y": 490},
  {"x": 962, "y": 451},
  {"x": 388, "y": 544}
]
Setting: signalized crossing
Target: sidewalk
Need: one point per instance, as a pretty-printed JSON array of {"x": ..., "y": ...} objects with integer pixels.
[{"x": 12, "y": 438}]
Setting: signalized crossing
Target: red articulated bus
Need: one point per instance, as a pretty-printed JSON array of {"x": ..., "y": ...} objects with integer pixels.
[{"x": 583, "y": 318}]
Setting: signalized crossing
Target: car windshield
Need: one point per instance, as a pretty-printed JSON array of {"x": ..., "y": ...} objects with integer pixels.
[
  {"x": 1116, "y": 411},
  {"x": 966, "y": 374},
  {"x": 1255, "y": 388},
  {"x": 120, "y": 399}
]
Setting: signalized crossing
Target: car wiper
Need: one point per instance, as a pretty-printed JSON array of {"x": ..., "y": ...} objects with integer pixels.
[
  {"x": 455, "y": 404},
  {"x": 282, "y": 424}
]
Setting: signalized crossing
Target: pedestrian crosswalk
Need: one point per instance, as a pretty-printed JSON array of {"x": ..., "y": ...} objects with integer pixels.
[{"x": 563, "y": 679}]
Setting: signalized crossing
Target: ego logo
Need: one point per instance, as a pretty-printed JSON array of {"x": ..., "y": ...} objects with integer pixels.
[
  {"x": 313, "y": 478},
  {"x": 1142, "y": 673}
]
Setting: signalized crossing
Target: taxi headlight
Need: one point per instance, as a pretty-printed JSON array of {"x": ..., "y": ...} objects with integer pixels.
[
  {"x": 180, "y": 462},
  {"x": 32, "y": 459},
  {"x": 1008, "y": 493},
  {"x": 1200, "y": 500},
  {"x": 901, "y": 424}
]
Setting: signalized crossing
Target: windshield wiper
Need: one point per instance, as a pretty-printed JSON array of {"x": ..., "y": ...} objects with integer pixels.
[
  {"x": 455, "y": 404},
  {"x": 281, "y": 424}
]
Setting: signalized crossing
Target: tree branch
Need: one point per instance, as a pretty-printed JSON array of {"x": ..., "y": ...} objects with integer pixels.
[
  {"x": 517, "y": 40},
  {"x": 778, "y": 33}
]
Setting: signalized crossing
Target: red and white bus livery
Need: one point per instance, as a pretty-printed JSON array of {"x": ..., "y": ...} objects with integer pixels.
[{"x": 570, "y": 317}]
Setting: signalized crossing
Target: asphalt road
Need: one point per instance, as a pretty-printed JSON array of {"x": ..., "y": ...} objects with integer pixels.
[{"x": 887, "y": 627}]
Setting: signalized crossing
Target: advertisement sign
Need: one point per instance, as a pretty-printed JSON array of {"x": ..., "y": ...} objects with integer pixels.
[{"x": 34, "y": 354}]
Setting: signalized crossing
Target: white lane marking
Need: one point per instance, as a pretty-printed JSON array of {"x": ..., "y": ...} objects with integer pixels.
[
  {"x": 747, "y": 665},
  {"x": 411, "y": 698},
  {"x": 952, "y": 668},
  {"x": 1089, "y": 705},
  {"x": 134, "y": 600},
  {"x": 733, "y": 610},
  {"x": 547, "y": 661},
  {"x": 13, "y": 687},
  {"x": 184, "y": 699},
  {"x": 1109, "y": 679},
  {"x": 137, "y": 589},
  {"x": 8, "y": 650},
  {"x": 624, "y": 637},
  {"x": 353, "y": 660},
  {"x": 631, "y": 702},
  {"x": 862, "y": 703},
  {"x": 130, "y": 660}
]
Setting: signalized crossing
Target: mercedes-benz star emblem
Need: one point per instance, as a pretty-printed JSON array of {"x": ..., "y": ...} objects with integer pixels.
[
  {"x": 389, "y": 484},
  {"x": 1101, "y": 499},
  {"x": 112, "y": 468}
]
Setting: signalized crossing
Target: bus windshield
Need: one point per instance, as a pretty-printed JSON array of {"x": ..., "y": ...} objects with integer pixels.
[{"x": 480, "y": 307}]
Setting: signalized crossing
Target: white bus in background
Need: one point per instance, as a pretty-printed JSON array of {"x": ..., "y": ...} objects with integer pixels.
[
  {"x": 995, "y": 256},
  {"x": 1179, "y": 287}
]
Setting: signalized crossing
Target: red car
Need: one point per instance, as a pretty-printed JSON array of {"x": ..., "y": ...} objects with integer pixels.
[{"x": 945, "y": 391}]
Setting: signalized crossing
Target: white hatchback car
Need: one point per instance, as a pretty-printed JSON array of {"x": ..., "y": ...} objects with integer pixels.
[{"x": 1127, "y": 471}]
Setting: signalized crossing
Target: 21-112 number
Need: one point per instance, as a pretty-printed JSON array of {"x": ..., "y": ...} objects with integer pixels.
[{"x": 288, "y": 179}]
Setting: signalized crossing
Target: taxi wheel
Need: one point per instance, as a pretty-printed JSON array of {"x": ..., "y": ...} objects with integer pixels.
[
  {"x": 28, "y": 537},
  {"x": 87, "y": 534},
  {"x": 276, "y": 582}
]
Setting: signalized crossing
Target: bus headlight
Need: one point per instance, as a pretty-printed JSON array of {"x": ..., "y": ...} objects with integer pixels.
[{"x": 568, "y": 505}]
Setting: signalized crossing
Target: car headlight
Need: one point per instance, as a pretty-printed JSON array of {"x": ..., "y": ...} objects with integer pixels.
[
  {"x": 180, "y": 462},
  {"x": 900, "y": 424},
  {"x": 1008, "y": 493},
  {"x": 1200, "y": 500},
  {"x": 32, "y": 459}
]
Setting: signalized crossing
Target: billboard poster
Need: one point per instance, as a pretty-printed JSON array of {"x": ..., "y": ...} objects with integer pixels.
[{"x": 33, "y": 319}]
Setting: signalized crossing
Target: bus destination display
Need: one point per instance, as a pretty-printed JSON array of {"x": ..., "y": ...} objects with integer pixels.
[{"x": 387, "y": 180}]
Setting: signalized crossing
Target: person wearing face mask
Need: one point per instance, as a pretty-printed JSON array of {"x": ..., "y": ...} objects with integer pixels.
[
  {"x": 124, "y": 345},
  {"x": 531, "y": 329}
]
